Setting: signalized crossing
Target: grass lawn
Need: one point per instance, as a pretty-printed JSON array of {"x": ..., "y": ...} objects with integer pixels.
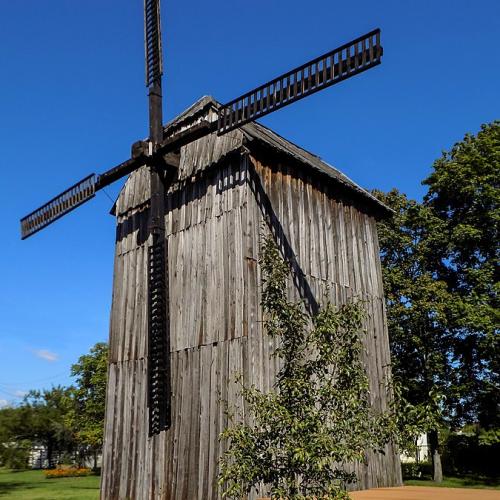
[
  {"x": 32, "y": 485},
  {"x": 457, "y": 482}
]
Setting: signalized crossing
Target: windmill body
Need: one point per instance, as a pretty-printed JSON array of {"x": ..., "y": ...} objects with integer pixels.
[
  {"x": 229, "y": 192},
  {"x": 201, "y": 195}
]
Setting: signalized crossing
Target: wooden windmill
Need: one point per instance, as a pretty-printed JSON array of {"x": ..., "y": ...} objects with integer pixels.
[{"x": 333, "y": 67}]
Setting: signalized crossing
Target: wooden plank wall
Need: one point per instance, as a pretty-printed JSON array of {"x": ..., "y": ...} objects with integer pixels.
[
  {"x": 214, "y": 224},
  {"x": 336, "y": 246}
]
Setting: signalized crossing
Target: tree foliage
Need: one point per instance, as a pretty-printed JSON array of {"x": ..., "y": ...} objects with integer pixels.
[
  {"x": 440, "y": 270},
  {"x": 68, "y": 420},
  {"x": 86, "y": 414},
  {"x": 464, "y": 194},
  {"x": 318, "y": 416},
  {"x": 40, "y": 420},
  {"x": 419, "y": 305}
]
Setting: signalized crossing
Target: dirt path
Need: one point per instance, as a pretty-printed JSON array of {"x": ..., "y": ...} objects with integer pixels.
[{"x": 425, "y": 493}]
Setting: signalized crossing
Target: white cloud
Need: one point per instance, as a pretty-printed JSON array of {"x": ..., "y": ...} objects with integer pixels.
[
  {"x": 20, "y": 394},
  {"x": 46, "y": 355},
  {"x": 3, "y": 403}
]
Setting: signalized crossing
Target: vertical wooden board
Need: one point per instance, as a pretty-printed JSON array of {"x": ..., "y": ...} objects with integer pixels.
[
  {"x": 219, "y": 313},
  {"x": 107, "y": 451},
  {"x": 178, "y": 302},
  {"x": 169, "y": 435},
  {"x": 115, "y": 314},
  {"x": 307, "y": 230},
  {"x": 140, "y": 320},
  {"x": 354, "y": 253},
  {"x": 119, "y": 456},
  {"x": 186, "y": 422},
  {"x": 130, "y": 334},
  {"x": 211, "y": 278},
  {"x": 284, "y": 203},
  {"x": 231, "y": 190},
  {"x": 209, "y": 194},
  {"x": 124, "y": 335},
  {"x": 173, "y": 278},
  {"x": 337, "y": 268},
  {"x": 288, "y": 207},
  {"x": 176, "y": 209},
  {"x": 204, "y": 419},
  {"x": 202, "y": 282},
  {"x": 231, "y": 273},
  {"x": 217, "y": 202},
  {"x": 377, "y": 276},
  {"x": 348, "y": 249},
  {"x": 174, "y": 432},
  {"x": 194, "y": 428},
  {"x": 191, "y": 188},
  {"x": 118, "y": 326},
  {"x": 329, "y": 256},
  {"x": 210, "y": 281},
  {"x": 130, "y": 189},
  {"x": 236, "y": 175},
  {"x": 189, "y": 287},
  {"x": 374, "y": 255},
  {"x": 362, "y": 263},
  {"x": 300, "y": 246},
  {"x": 213, "y": 419},
  {"x": 344, "y": 246},
  {"x": 183, "y": 201},
  {"x": 295, "y": 223},
  {"x": 126, "y": 379},
  {"x": 193, "y": 286},
  {"x": 224, "y": 264},
  {"x": 319, "y": 225},
  {"x": 134, "y": 429},
  {"x": 273, "y": 190},
  {"x": 182, "y": 400},
  {"x": 238, "y": 279}
]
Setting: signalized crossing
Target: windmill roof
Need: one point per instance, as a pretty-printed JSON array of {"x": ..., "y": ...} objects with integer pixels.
[
  {"x": 256, "y": 132},
  {"x": 136, "y": 190}
]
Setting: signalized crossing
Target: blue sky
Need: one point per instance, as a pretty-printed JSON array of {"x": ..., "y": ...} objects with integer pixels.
[{"x": 72, "y": 100}]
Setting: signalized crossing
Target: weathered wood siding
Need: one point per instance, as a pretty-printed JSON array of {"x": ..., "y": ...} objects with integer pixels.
[{"x": 215, "y": 221}]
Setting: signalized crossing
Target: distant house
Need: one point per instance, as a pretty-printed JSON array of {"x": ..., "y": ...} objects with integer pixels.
[
  {"x": 422, "y": 453},
  {"x": 38, "y": 458}
]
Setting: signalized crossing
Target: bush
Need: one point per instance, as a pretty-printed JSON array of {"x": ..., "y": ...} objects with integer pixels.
[
  {"x": 413, "y": 470},
  {"x": 14, "y": 455},
  {"x": 464, "y": 454},
  {"x": 69, "y": 472}
]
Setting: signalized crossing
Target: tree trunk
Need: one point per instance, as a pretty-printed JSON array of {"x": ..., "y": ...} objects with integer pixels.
[
  {"x": 436, "y": 457},
  {"x": 438, "y": 471},
  {"x": 49, "y": 454}
]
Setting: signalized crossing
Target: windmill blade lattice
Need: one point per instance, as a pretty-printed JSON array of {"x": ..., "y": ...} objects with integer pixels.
[
  {"x": 335, "y": 66},
  {"x": 58, "y": 206}
]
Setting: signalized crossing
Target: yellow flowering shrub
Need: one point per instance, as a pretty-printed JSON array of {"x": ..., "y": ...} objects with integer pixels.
[{"x": 69, "y": 472}]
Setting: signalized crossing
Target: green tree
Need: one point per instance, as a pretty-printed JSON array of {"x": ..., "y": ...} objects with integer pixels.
[
  {"x": 318, "y": 416},
  {"x": 440, "y": 269},
  {"x": 464, "y": 193},
  {"x": 419, "y": 308},
  {"x": 86, "y": 414},
  {"x": 41, "y": 419},
  {"x": 13, "y": 451}
]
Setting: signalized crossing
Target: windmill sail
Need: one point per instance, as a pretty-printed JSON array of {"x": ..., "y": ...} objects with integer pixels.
[
  {"x": 335, "y": 66},
  {"x": 58, "y": 206}
]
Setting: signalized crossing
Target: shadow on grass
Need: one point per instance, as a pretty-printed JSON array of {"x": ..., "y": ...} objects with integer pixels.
[
  {"x": 7, "y": 488},
  {"x": 457, "y": 482},
  {"x": 478, "y": 481}
]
